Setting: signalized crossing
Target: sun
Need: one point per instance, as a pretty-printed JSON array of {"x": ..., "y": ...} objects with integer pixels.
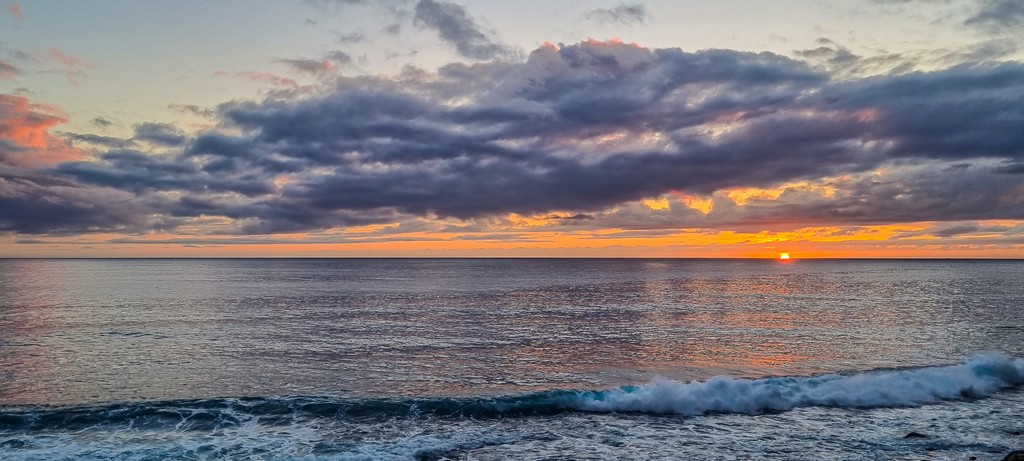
[{"x": 783, "y": 256}]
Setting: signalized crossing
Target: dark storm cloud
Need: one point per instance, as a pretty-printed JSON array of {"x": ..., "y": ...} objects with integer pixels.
[
  {"x": 921, "y": 193},
  {"x": 194, "y": 110},
  {"x": 42, "y": 204},
  {"x": 97, "y": 140},
  {"x": 455, "y": 27},
  {"x": 102, "y": 122},
  {"x": 628, "y": 14},
  {"x": 133, "y": 171},
  {"x": 962, "y": 112},
  {"x": 160, "y": 133},
  {"x": 139, "y": 172},
  {"x": 965, "y": 228},
  {"x": 582, "y": 129},
  {"x": 925, "y": 192},
  {"x": 352, "y": 37},
  {"x": 1011, "y": 168},
  {"x": 390, "y": 148},
  {"x": 308, "y": 66},
  {"x": 339, "y": 57},
  {"x": 998, "y": 15}
]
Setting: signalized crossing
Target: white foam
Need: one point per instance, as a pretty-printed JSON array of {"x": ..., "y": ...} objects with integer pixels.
[{"x": 979, "y": 377}]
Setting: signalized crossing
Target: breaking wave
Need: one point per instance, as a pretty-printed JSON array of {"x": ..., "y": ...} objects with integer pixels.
[
  {"x": 442, "y": 428},
  {"x": 977, "y": 378}
]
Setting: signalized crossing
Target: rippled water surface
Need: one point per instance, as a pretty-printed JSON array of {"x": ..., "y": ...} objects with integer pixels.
[{"x": 378, "y": 343}]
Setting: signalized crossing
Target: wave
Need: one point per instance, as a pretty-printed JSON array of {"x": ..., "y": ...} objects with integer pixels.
[{"x": 977, "y": 378}]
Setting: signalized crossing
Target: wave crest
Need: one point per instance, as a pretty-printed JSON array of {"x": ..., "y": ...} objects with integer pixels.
[{"x": 979, "y": 377}]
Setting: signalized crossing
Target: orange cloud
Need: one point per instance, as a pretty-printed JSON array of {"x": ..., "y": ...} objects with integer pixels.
[
  {"x": 880, "y": 241},
  {"x": 702, "y": 204},
  {"x": 659, "y": 204},
  {"x": 612, "y": 41},
  {"x": 743, "y": 196},
  {"x": 25, "y": 138}
]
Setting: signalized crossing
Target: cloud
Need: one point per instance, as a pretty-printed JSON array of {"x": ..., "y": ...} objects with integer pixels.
[
  {"x": 840, "y": 62},
  {"x": 586, "y": 132},
  {"x": 159, "y": 133},
  {"x": 628, "y": 14},
  {"x": 72, "y": 67},
  {"x": 25, "y": 139},
  {"x": 353, "y": 37},
  {"x": 8, "y": 71},
  {"x": 97, "y": 140},
  {"x": 998, "y": 15},
  {"x": 310, "y": 66},
  {"x": 456, "y": 28},
  {"x": 926, "y": 192},
  {"x": 957, "y": 229},
  {"x": 42, "y": 204},
  {"x": 194, "y": 109},
  {"x": 339, "y": 57},
  {"x": 958, "y": 113},
  {"x": 141, "y": 173},
  {"x": 102, "y": 122}
]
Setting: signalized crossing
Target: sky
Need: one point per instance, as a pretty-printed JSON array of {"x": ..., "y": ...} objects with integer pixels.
[{"x": 431, "y": 128}]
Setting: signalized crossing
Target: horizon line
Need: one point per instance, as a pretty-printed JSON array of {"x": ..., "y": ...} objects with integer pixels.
[{"x": 837, "y": 258}]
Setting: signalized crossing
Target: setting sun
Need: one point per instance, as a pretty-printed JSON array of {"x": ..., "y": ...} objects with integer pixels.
[{"x": 784, "y": 256}]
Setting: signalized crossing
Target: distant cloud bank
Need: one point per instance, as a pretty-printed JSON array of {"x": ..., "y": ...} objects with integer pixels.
[{"x": 578, "y": 130}]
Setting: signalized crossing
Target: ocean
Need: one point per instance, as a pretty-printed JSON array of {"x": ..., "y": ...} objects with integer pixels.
[{"x": 526, "y": 359}]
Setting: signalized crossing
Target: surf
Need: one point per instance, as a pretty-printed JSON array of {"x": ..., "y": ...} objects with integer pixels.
[{"x": 979, "y": 377}]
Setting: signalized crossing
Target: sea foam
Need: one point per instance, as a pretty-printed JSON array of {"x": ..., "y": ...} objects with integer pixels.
[{"x": 979, "y": 377}]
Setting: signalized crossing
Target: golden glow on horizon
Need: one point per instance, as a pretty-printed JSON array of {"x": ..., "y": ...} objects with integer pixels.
[
  {"x": 784, "y": 256},
  {"x": 880, "y": 241}
]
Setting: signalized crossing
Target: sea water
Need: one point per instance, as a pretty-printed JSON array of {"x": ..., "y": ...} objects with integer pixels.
[{"x": 510, "y": 359}]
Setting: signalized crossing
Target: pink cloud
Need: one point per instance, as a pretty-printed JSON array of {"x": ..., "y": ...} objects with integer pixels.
[
  {"x": 261, "y": 77},
  {"x": 25, "y": 138},
  {"x": 8, "y": 71},
  {"x": 71, "y": 66}
]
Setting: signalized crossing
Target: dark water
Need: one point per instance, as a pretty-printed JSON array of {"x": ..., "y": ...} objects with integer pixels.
[{"x": 510, "y": 359}]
